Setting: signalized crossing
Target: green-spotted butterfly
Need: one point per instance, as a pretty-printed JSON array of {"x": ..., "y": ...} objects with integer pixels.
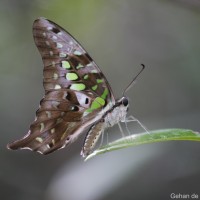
[{"x": 78, "y": 98}]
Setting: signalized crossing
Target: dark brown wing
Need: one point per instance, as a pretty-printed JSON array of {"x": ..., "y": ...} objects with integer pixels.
[{"x": 75, "y": 91}]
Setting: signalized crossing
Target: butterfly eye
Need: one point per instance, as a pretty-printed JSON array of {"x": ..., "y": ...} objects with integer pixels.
[{"x": 125, "y": 101}]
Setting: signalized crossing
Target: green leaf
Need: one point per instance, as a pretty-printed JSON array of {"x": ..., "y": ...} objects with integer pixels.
[{"x": 145, "y": 138}]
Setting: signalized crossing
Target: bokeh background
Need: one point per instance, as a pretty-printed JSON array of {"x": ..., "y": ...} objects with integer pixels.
[{"x": 119, "y": 36}]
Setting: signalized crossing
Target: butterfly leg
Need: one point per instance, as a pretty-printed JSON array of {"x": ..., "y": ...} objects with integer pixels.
[
  {"x": 133, "y": 119},
  {"x": 120, "y": 128},
  {"x": 102, "y": 138},
  {"x": 106, "y": 132}
]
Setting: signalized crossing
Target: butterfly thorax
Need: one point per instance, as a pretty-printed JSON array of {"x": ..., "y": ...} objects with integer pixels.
[{"x": 117, "y": 113}]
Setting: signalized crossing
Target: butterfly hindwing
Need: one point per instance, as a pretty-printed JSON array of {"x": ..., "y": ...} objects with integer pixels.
[{"x": 76, "y": 91}]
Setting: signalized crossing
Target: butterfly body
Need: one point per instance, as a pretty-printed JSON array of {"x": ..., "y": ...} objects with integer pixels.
[{"x": 77, "y": 96}]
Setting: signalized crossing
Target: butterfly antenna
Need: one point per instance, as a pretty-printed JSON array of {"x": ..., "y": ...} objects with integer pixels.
[{"x": 134, "y": 79}]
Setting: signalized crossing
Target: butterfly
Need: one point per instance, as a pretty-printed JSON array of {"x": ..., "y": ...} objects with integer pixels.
[{"x": 78, "y": 97}]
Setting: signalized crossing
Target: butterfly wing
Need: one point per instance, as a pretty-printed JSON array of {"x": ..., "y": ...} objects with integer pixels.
[{"x": 77, "y": 93}]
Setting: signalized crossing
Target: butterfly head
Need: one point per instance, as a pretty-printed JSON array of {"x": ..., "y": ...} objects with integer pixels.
[{"x": 123, "y": 104}]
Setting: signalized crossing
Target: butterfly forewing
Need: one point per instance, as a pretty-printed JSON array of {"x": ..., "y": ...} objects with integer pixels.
[{"x": 76, "y": 92}]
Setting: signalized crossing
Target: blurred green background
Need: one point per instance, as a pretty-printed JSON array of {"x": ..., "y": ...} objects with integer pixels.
[{"x": 119, "y": 36}]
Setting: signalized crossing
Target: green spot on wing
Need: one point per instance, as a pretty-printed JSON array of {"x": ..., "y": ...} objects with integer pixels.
[
  {"x": 97, "y": 103},
  {"x": 66, "y": 65},
  {"x": 105, "y": 93},
  {"x": 94, "y": 87},
  {"x": 71, "y": 76},
  {"x": 99, "y": 80},
  {"x": 86, "y": 76},
  {"x": 77, "y": 86},
  {"x": 100, "y": 101},
  {"x": 79, "y": 66}
]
